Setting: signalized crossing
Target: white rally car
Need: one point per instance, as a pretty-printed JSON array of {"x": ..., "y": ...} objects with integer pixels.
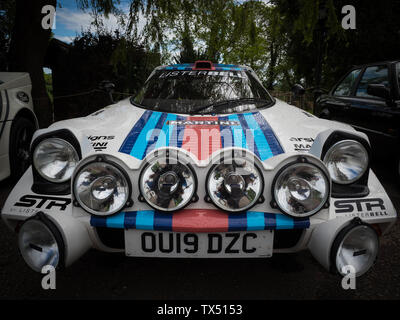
[
  {"x": 201, "y": 163},
  {"x": 17, "y": 123}
]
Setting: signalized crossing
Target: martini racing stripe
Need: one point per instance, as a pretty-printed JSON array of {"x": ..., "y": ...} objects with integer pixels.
[
  {"x": 199, "y": 220},
  {"x": 201, "y": 135}
]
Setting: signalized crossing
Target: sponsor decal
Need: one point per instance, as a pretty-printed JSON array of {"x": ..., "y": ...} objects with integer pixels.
[
  {"x": 302, "y": 144},
  {"x": 100, "y": 143},
  {"x": 363, "y": 208},
  {"x": 201, "y": 136},
  {"x": 42, "y": 202}
]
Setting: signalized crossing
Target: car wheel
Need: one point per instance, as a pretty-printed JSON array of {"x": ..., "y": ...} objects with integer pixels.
[{"x": 20, "y": 139}]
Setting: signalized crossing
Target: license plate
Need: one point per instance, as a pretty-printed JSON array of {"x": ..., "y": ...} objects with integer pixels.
[{"x": 140, "y": 243}]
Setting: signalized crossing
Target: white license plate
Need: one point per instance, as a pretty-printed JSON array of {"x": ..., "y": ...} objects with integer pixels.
[{"x": 140, "y": 243}]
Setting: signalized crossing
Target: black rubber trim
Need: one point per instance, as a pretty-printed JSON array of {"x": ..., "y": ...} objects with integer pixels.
[
  {"x": 274, "y": 203},
  {"x": 102, "y": 158},
  {"x": 40, "y": 184},
  {"x": 209, "y": 200},
  {"x": 57, "y": 235},
  {"x": 7, "y": 112},
  {"x": 339, "y": 237},
  {"x": 359, "y": 188},
  {"x": 195, "y": 196}
]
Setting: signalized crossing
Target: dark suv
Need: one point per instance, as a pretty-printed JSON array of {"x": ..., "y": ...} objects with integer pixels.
[{"x": 368, "y": 98}]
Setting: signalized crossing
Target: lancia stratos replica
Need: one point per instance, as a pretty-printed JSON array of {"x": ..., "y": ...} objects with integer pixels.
[{"x": 202, "y": 163}]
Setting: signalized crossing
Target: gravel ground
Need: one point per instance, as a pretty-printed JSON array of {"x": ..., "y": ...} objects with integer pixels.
[{"x": 294, "y": 276}]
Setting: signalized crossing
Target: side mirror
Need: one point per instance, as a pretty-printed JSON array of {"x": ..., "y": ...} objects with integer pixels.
[
  {"x": 298, "y": 90},
  {"x": 108, "y": 87},
  {"x": 378, "y": 90}
]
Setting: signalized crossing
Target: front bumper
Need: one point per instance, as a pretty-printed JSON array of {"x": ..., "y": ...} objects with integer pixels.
[{"x": 80, "y": 231}]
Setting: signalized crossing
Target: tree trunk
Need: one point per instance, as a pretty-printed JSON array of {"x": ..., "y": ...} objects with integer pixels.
[{"x": 27, "y": 50}]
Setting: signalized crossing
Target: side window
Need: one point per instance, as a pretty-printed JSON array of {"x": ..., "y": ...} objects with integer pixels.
[
  {"x": 344, "y": 88},
  {"x": 372, "y": 75}
]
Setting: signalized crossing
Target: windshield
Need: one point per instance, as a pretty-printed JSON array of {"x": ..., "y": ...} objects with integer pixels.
[{"x": 202, "y": 92}]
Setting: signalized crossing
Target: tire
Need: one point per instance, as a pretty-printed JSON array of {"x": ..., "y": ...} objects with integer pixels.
[{"x": 21, "y": 134}]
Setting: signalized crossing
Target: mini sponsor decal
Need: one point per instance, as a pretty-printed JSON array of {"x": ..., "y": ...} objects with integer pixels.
[
  {"x": 31, "y": 203},
  {"x": 364, "y": 208},
  {"x": 100, "y": 143},
  {"x": 302, "y": 144}
]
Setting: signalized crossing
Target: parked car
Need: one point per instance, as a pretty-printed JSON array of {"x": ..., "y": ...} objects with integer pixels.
[
  {"x": 201, "y": 163},
  {"x": 368, "y": 98},
  {"x": 17, "y": 123}
]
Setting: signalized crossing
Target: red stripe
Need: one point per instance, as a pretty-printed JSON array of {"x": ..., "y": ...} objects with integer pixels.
[
  {"x": 202, "y": 140},
  {"x": 200, "y": 220}
]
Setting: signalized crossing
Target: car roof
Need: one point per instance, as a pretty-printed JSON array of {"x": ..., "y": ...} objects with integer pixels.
[
  {"x": 376, "y": 62},
  {"x": 215, "y": 67}
]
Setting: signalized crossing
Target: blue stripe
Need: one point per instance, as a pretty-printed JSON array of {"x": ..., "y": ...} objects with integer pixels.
[
  {"x": 283, "y": 222},
  {"x": 145, "y": 220},
  {"x": 237, "y": 222},
  {"x": 226, "y": 134},
  {"x": 255, "y": 220},
  {"x": 134, "y": 133},
  {"x": 141, "y": 142},
  {"x": 162, "y": 221},
  {"x": 98, "y": 221},
  {"x": 116, "y": 221},
  {"x": 251, "y": 145},
  {"x": 259, "y": 137},
  {"x": 154, "y": 220},
  {"x": 239, "y": 139},
  {"x": 167, "y": 132},
  {"x": 177, "y": 134},
  {"x": 269, "y": 221},
  {"x": 301, "y": 223},
  {"x": 269, "y": 134},
  {"x": 130, "y": 220},
  {"x": 155, "y": 135}
]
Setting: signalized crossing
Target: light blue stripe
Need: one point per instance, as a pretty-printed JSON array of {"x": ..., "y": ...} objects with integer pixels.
[
  {"x": 141, "y": 142},
  {"x": 145, "y": 220},
  {"x": 116, "y": 221},
  {"x": 167, "y": 130},
  {"x": 259, "y": 137},
  {"x": 255, "y": 220},
  {"x": 239, "y": 138},
  {"x": 283, "y": 222}
]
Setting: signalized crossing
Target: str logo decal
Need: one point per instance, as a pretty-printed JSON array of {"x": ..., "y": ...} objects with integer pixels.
[
  {"x": 29, "y": 201},
  {"x": 99, "y": 143},
  {"x": 361, "y": 207}
]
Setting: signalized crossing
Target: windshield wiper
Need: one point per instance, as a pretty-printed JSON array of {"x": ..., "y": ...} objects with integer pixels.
[{"x": 229, "y": 102}]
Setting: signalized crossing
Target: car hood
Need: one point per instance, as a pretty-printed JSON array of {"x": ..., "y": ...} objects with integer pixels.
[{"x": 133, "y": 132}]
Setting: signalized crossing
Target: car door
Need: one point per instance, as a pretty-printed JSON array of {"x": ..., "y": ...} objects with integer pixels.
[
  {"x": 336, "y": 105},
  {"x": 371, "y": 114}
]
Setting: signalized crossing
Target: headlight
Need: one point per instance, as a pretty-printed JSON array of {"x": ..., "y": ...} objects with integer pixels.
[
  {"x": 101, "y": 188},
  {"x": 356, "y": 245},
  {"x": 301, "y": 189},
  {"x": 55, "y": 159},
  {"x": 38, "y": 244},
  {"x": 167, "y": 184},
  {"x": 235, "y": 185},
  {"x": 346, "y": 161}
]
